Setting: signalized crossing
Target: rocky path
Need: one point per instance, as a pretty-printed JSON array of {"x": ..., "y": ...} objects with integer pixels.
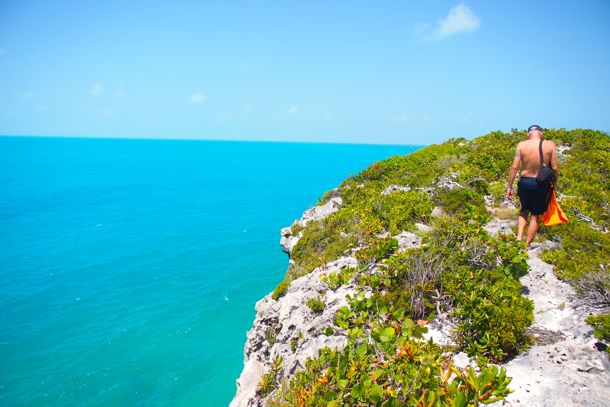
[{"x": 564, "y": 368}]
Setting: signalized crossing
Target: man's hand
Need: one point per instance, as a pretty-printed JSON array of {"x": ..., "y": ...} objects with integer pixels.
[{"x": 509, "y": 194}]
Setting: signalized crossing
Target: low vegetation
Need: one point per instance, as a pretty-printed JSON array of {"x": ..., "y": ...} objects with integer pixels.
[{"x": 460, "y": 269}]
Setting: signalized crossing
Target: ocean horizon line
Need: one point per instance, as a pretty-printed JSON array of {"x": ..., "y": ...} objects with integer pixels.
[{"x": 203, "y": 139}]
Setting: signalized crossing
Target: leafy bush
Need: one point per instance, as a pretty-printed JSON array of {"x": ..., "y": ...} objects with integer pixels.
[
  {"x": 378, "y": 249},
  {"x": 493, "y": 315},
  {"x": 334, "y": 280},
  {"x": 583, "y": 259},
  {"x": 601, "y": 326},
  {"x": 397, "y": 368},
  {"x": 464, "y": 203},
  {"x": 268, "y": 382},
  {"x": 280, "y": 290},
  {"x": 399, "y": 210},
  {"x": 316, "y": 304}
]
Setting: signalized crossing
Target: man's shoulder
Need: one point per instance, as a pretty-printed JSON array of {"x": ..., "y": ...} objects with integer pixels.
[{"x": 549, "y": 143}]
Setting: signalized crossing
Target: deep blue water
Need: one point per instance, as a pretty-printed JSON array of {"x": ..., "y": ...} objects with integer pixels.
[{"x": 129, "y": 269}]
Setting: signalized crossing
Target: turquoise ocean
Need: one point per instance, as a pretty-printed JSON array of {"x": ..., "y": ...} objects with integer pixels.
[{"x": 129, "y": 268}]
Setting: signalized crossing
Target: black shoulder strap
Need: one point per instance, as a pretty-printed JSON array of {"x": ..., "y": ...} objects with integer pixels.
[{"x": 541, "y": 157}]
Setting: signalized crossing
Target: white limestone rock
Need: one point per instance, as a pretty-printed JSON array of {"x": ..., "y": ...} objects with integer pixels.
[
  {"x": 423, "y": 228},
  {"x": 437, "y": 212},
  {"x": 448, "y": 182},
  {"x": 407, "y": 240},
  {"x": 395, "y": 188},
  {"x": 315, "y": 213},
  {"x": 497, "y": 226}
]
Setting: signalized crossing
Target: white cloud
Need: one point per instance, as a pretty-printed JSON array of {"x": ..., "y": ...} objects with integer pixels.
[
  {"x": 460, "y": 19},
  {"x": 294, "y": 109},
  {"x": 197, "y": 98},
  {"x": 97, "y": 89}
]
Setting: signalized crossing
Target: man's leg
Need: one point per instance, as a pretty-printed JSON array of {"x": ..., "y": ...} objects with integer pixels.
[
  {"x": 521, "y": 222},
  {"x": 532, "y": 229}
]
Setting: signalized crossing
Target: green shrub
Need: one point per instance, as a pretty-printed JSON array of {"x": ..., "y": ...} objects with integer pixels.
[
  {"x": 583, "y": 258},
  {"x": 268, "y": 382},
  {"x": 396, "y": 369},
  {"x": 401, "y": 209},
  {"x": 378, "y": 249},
  {"x": 493, "y": 315},
  {"x": 601, "y": 326},
  {"x": 280, "y": 290},
  {"x": 461, "y": 202},
  {"x": 316, "y": 304},
  {"x": 334, "y": 280}
]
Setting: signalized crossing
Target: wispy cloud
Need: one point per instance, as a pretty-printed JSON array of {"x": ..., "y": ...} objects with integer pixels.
[
  {"x": 294, "y": 109},
  {"x": 29, "y": 94},
  {"x": 97, "y": 89},
  {"x": 460, "y": 19},
  {"x": 197, "y": 98},
  {"x": 120, "y": 94}
]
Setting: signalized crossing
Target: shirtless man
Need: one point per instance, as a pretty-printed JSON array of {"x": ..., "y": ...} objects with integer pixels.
[{"x": 534, "y": 198}]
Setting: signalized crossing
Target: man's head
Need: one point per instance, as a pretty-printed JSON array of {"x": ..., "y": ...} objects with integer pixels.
[{"x": 534, "y": 130}]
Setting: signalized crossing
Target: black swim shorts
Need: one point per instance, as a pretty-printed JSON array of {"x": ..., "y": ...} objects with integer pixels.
[{"x": 534, "y": 198}]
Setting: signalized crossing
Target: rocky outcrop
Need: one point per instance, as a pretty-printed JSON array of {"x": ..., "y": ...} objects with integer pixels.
[
  {"x": 288, "y": 240},
  {"x": 448, "y": 182},
  {"x": 563, "y": 368},
  {"x": 290, "y": 329}
]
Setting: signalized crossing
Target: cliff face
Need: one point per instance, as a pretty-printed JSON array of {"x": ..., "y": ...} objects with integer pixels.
[
  {"x": 288, "y": 328},
  {"x": 413, "y": 265}
]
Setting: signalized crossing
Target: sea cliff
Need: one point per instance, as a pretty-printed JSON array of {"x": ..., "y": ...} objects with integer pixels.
[{"x": 406, "y": 286}]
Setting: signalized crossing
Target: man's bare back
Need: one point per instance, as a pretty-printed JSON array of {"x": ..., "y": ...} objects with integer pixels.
[{"x": 530, "y": 156}]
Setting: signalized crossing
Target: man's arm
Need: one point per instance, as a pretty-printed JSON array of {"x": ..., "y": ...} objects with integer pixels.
[{"x": 512, "y": 173}]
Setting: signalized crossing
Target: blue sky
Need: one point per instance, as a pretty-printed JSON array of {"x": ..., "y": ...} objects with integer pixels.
[{"x": 391, "y": 72}]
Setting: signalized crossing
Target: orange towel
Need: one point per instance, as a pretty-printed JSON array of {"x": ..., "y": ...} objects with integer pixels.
[{"x": 553, "y": 215}]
